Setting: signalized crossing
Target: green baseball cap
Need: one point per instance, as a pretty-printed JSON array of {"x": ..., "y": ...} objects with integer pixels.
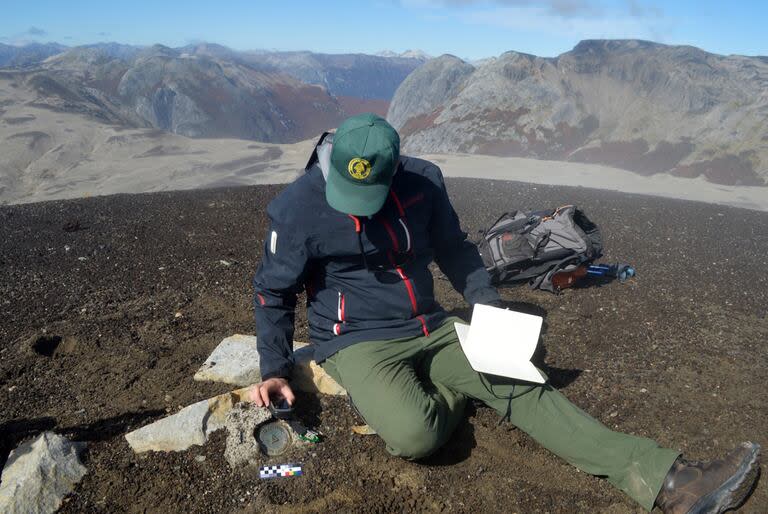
[{"x": 364, "y": 157}]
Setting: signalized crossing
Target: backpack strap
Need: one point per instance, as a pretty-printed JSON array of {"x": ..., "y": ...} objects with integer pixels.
[{"x": 313, "y": 158}]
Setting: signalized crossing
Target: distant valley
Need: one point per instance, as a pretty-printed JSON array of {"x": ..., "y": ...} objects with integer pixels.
[
  {"x": 108, "y": 118},
  {"x": 111, "y": 118},
  {"x": 78, "y": 148}
]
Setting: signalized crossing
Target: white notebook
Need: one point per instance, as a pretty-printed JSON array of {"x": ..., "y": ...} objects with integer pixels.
[{"x": 501, "y": 342}]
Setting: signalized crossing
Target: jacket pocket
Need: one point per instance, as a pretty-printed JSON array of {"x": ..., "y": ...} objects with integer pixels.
[{"x": 341, "y": 316}]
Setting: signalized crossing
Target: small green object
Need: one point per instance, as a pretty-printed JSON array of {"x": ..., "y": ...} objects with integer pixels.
[{"x": 310, "y": 436}]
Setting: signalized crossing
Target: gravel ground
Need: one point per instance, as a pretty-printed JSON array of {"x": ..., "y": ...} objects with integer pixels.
[{"x": 108, "y": 306}]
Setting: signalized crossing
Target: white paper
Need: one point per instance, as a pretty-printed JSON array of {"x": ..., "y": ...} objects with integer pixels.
[{"x": 501, "y": 342}]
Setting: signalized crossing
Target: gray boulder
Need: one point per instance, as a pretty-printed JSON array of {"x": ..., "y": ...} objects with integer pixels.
[{"x": 39, "y": 474}]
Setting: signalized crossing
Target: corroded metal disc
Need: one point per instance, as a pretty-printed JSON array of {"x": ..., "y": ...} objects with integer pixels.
[{"x": 273, "y": 438}]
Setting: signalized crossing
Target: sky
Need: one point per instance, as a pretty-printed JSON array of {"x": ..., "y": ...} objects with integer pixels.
[{"x": 470, "y": 29}]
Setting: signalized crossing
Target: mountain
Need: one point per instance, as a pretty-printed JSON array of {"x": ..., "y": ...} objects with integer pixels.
[
  {"x": 29, "y": 54},
  {"x": 113, "y": 50},
  {"x": 208, "y": 90},
  {"x": 62, "y": 143},
  {"x": 370, "y": 77},
  {"x": 190, "y": 95},
  {"x": 73, "y": 144},
  {"x": 631, "y": 104},
  {"x": 85, "y": 120},
  {"x": 408, "y": 54},
  {"x": 426, "y": 90}
]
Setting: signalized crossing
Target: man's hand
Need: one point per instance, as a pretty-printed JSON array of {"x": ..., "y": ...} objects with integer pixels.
[{"x": 276, "y": 388}]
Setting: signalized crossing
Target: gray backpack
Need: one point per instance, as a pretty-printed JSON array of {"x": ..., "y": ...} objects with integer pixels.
[{"x": 533, "y": 246}]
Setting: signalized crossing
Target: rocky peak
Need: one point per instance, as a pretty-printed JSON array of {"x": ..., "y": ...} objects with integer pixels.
[
  {"x": 633, "y": 104},
  {"x": 158, "y": 51},
  {"x": 603, "y": 46},
  {"x": 432, "y": 84}
]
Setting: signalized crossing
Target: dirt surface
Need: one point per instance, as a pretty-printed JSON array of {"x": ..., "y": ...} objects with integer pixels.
[{"x": 109, "y": 305}]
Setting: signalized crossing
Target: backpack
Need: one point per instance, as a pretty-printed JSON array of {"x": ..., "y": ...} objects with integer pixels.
[{"x": 535, "y": 245}]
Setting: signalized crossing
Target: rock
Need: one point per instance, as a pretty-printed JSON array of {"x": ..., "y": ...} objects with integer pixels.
[
  {"x": 309, "y": 376},
  {"x": 39, "y": 474},
  {"x": 190, "y": 426},
  {"x": 236, "y": 361},
  {"x": 363, "y": 430}
]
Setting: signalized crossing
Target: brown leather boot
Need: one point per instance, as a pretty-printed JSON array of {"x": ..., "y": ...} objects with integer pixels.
[{"x": 710, "y": 487}]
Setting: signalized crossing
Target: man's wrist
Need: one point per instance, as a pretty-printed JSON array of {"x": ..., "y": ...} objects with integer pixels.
[{"x": 276, "y": 374}]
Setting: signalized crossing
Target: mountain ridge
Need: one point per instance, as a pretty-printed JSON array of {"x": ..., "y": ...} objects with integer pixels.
[
  {"x": 208, "y": 90},
  {"x": 332, "y": 71},
  {"x": 632, "y": 104}
]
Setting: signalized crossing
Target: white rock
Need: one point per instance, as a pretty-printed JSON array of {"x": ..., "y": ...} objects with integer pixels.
[
  {"x": 236, "y": 361},
  {"x": 190, "y": 426},
  {"x": 174, "y": 433},
  {"x": 39, "y": 474},
  {"x": 193, "y": 424}
]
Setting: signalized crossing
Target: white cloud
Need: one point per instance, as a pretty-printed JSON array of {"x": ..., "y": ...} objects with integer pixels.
[
  {"x": 559, "y": 8},
  {"x": 36, "y": 31},
  {"x": 541, "y": 20},
  {"x": 574, "y": 19},
  {"x": 31, "y": 35}
]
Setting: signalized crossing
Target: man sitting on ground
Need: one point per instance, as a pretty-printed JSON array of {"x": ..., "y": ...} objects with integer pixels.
[{"x": 358, "y": 231}]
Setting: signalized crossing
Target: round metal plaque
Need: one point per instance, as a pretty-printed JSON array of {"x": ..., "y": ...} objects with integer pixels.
[{"x": 273, "y": 438}]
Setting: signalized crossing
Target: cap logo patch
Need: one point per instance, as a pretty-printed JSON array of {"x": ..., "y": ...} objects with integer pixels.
[{"x": 359, "y": 168}]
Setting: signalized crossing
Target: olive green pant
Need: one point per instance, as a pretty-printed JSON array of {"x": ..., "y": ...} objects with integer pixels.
[{"x": 413, "y": 392}]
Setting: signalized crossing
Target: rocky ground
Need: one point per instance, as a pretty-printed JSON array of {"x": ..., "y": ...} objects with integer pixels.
[{"x": 108, "y": 306}]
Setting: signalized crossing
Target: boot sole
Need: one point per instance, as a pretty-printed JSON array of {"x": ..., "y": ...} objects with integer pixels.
[{"x": 734, "y": 491}]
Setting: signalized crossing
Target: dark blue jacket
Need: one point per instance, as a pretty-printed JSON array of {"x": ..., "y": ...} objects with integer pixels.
[{"x": 366, "y": 279}]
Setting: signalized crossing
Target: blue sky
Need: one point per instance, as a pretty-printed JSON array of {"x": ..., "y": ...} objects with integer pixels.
[{"x": 467, "y": 28}]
